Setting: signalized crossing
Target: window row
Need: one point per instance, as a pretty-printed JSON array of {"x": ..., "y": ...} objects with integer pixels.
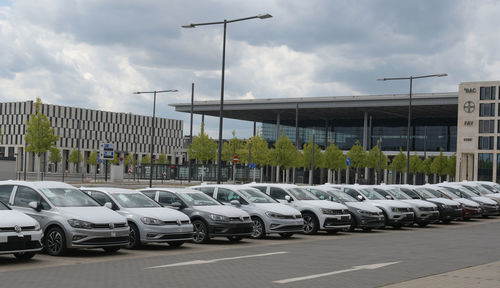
[{"x": 487, "y": 93}]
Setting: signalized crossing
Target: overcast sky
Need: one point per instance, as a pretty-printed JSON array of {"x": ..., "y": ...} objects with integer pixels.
[{"x": 95, "y": 53}]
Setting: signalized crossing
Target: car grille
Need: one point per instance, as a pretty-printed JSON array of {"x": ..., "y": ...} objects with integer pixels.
[
  {"x": 108, "y": 225},
  {"x": 106, "y": 241},
  {"x": 12, "y": 229},
  {"x": 339, "y": 212},
  {"x": 289, "y": 216},
  {"x": 403, "y": 210},
  {"x": 426, "y": 208},
  {"x": 239, "y": 219},
  {"x": 177, "y": 236},
  {"x": 19, "y": 243},
  {"x": 175, "y": 222}
]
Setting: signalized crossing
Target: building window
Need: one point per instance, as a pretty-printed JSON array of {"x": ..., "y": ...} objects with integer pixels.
[
  {"x": 486, "y": 126},
  {"x": 485, "y": 142},
  {"x": 485, "y": 167},
  {"x": 487, "y": 93},
  {"x": 487, "y": 109}
]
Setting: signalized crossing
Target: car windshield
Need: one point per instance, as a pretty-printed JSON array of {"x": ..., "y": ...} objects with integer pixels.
[
  {"x": 371, "y": 194},
  {"x": 491, "y": 189},
  {"x": 398, "y": 194},
  {"x": 255, "y": 196},
  {"x": 448, "y": 193},
  {"x": 68, "y": 197},
  {"x": 134, "y": 200},
  {"x": 342, "y": 197},
  {"x": 3, "y": 206},
  {"x": 427, "y": 193},
  {"x": 301, "y": 194},
  {"x": 410, "y": 193},
  {"x": 384, "y": 193},
  {"x": 322, "y": 195},
  {"x": 462, "y": 192},
  {"x": 476, "y": 189},
  {"x": 198, "y": 199}
]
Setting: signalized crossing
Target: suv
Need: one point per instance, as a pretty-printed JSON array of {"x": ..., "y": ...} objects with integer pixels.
[
  {"x": 449, "y": 210},
  {"x": 69, "y": 217},
  {"x": 210, "y": 218},
  {"x": 149, "y": 221},
  {"x": 268, "y": 215},
  {"x": 19, "y": 234},
  {"x": 317, "y": 214},
  {"x": 469, "y": 208},
  {"x": 488, "y": 206}
]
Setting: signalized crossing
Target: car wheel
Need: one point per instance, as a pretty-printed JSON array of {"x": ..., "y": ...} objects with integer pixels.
[
  {"x": 422, "y": 224},
  {"x": 259, "y": 230},
  {"x": 446, "y": 221},
  {"x": 200, "y": 232},
  {"x": 111, "y": 249},
  {"x": 286, "y": 235},
  {"x": 354, "y": 223},
  {"x": 55, "y": 241},
  {"x": 24, "y": 255},
  {"x": 134, "y": 239},
  {"x": 386, "y": 219},
  {"x": 311, "y": 223},
  {"x": 235, "y": 238},
  {"x": 367, "y": 229},
  {"x": 176, "y": 243}
]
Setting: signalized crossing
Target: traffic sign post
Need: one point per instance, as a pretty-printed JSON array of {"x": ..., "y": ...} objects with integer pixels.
[
  {"x": 348, "y": 163},
  {"x": 235, "y": 159}
]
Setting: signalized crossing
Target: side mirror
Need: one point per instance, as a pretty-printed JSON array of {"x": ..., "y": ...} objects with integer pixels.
[
  {"x": 415, "y": 197},
  {"x": 35, "y": 205},
  {"x": 389, "y": 197},
  {"x": 108, "y": 205},
  {"x": 360, "y": 198},
  {"x": 235, "y": 203},
  {"x": 176, "y": 205},
  {"x": 331, "y": 198},
  {"x": 288, "y": 198}
]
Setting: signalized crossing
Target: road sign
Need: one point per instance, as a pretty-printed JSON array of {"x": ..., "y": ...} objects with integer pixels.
[
  {"x": 130, "y": 170},
  {"x": 348, "y": 161},
  {"x": 235, "y": 159},
  {"x": 252, "y": 165},
  {"x": 107, "y": 151}
]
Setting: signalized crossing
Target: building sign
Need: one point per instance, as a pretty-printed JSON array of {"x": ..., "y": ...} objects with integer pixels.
[
  {"x": 469, "y": 107},
  {"x": 468, "y": 123},
  {"x": 470, "y": 90},
  {"x": 467, "y": 139}
]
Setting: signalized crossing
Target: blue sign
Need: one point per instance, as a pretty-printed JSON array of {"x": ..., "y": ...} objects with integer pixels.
[
  {"x": 348, "y": 161},
  {"x": 252, "y": 165}
]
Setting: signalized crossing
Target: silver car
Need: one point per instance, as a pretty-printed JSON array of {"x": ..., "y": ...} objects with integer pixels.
[
  {"x": 69, "y": 217},
  {"x": 20, "y": 234},
  {"x": 268, "y": 215},
  {"x": 149, "y": 221}
]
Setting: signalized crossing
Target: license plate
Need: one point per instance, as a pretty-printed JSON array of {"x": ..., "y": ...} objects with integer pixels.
[{"x": 113, "y": 234}]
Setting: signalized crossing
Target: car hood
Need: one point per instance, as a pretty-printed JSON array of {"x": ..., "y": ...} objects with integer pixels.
[
  {"x": 92, "y": 214},
  {"x": 466, "y": 202},
  {"x": 324, "y": 204},
  {"x": 277, "y": 208},
  {"x": 443, "y": 201},
  {"x": 493, "y": 195},
  {"x": 418, "y": 203},
  {"x": 391, "y": 203},
  {"x": 160, "y": 213},
  {"x": 223, "y": 210},
  {"x": 363, "y": 206},
  {"x": 11, "y": 218},
  {"x": 484, "y": 200}
]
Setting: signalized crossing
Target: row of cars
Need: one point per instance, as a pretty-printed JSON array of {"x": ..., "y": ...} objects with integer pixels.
[{"x": 58, "y": 216}]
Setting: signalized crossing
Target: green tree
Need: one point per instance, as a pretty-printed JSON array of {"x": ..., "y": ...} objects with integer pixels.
[
  {"x": 231, "y": 148},
  {"x": 425, "y": 168},
  {"x": 130, "y": 159},
  {"x": 39, "y": 136},
  {"x": 415, "y": 162},
  {"x": 116, "y": 159},
  {"x": 76, "y": 158},
  {"x": 440, "y": 165},
  {"x": 398, "y": 164},
  {"x": 358, "y": 158},
  {"x": 146, "y": 159},
  {"x": 284, "y": 153},
  {"x": 333, "y": 159},
  {"x": 374, "y": 157},
  {"x": 55, "y": 156},
  {"x": 203, "y": 149},
  {"x": 162, "y": 159},
  {"x": 92, "y": 160},
  {"x": 452, "y": 165},
  {"x": 259, "y": 149}
]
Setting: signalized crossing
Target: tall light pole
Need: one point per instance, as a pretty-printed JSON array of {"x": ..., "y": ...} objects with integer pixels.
[
  {"x": 153, "y": 129},
  {"x": 225, "y": 22},
  {"x": 409, "y": 114}
]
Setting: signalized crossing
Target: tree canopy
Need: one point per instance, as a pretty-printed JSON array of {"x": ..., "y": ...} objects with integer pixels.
[
  {"x": 203, "y": 147},
  {"x": 39, "y": 136}
]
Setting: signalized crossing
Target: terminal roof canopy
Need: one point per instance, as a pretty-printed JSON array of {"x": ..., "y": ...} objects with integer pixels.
[{"x": 311, "y": 110}]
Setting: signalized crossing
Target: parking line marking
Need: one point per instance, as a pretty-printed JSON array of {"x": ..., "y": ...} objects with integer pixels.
[
  {"x": 198, "y": 262},
  {"x": 354, "y": 268}
]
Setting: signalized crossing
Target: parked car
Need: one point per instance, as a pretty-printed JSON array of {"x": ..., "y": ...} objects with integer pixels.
[
  {"x": 210, "y": 218},
  {"x": 488, "y": 207},
  {"x": 68, "y": 217},
  {"x": 363, "y": 215},
  {"x": 470, "y": 208},
  {"x": 317, "y": 214},
  {"x": 425, "y": 212},
  {"x": 268, "y": 215},
  {"x": 449, "y": 210},
  {"x": 397, "y": 213},
  {"x": 148, "y": 221},
  {"x": 484, "y": 188},
  {"x": 19, "y": 234}
]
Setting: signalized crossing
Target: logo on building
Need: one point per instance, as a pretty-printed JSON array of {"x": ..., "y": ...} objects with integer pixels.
[
  {"x": 468, "y": 123},
  {"x": 469, "y": 107},
  {"x": 470, "y": 90}
]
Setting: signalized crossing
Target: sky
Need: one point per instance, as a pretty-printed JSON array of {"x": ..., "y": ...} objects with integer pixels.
[{"x": 96, "y": 53}]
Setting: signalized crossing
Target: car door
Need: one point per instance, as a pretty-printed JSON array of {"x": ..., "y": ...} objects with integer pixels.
[
  {"x": 167, "y": 198},
  {"x": 23, "y": 196},
  {"x": 151, "y": 194},
  {"x": 279, "y": 194},
  {"x": 102, "y": 198}
]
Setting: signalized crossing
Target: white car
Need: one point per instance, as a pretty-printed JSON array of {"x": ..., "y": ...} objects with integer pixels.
[
  {"x": 469, "y": 208},
  {"x": 317, "y": 214},
  {"x": 488, "y": 206},
  {"x": 268, "y": 215},
  {"x": 20, "y": 234},
  {"x": 489, "y": 189},
  {"x": 149, "y": 222}
]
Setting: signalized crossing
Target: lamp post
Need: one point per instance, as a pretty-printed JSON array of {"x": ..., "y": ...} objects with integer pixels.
[
  {"x": 409, "y": 114},
  {"x": 153, "y": 128},
  {"x": 225, "y": 22}
]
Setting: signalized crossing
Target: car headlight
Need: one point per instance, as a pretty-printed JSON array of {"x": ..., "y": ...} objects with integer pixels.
[
  {"x": 470, "y": 207},
  {"x": 151, "y": 221},
  {"x": 75, "y": 223},
  {"x": 37, "y": 226},
  {"x": 272, "y": 214},
  {"x": 394, "y": 209},
  {"x": 219, "y": 218},
  {"x": 368, "y": 213},
  {"x": 328, "y": 211}
]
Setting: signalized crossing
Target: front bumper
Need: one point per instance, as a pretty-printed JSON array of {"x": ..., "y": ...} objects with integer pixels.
[
  {"x": 427, "y": 217},
  {"x": 471, "y": 212},
  {"x": 26, "y": 241},
  {"x": 364, "y": 221},
  {"x": 450, "y": 213},
  {"x": 95, "y": 238},
  {"x": 285, "y": 226},
  {"x": 339, "y": 222},
  {"x": 167, "y": 233},
  {"x": 490, "y": 210},
  {"x": 242, "y": 229},
  {"x": 401, "y": 219}
]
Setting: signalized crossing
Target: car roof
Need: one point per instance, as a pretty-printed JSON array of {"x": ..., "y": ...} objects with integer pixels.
[
  {"x": 38, "y": 184},
  {"x": 111, "y": 190},
  {"x": 172, "y": 189},
  {"x": 273, "y": 185}
]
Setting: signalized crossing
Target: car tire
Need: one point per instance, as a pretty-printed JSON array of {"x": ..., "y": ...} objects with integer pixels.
[
  {"x": 24, "y": 255},
  {"x": 354, "y": 223},
  {"x": 112, "y": 249},
  {"x": 367, "y": 229},
  {"x": 311, "y": 223},
  {"x": 200, "y": 235},
  {"x": 259, "y": 229},
  {"x": 55, "y": 241},
  {"x": 286, "y": 235},
  {"x": 422, "y": 224},
  {"x": 386, "y": 219},
  {"x": 235, "y": 238},
  {"x": 175, "y": 243},
  {"x": 134, "y": 240}
]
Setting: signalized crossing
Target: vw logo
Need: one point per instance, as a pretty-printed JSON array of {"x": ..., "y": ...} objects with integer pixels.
[
  {"x": 17, "y": 229},
  {"x": 179, "y": 222},
  {"x": 469, "y": 107},
  {"x": 111, "y": 226}
]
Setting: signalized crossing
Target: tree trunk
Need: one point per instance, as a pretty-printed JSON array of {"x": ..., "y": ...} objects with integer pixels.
[
  {"x": 339, "y": 174},
  {"x": 414, "y": 178}
]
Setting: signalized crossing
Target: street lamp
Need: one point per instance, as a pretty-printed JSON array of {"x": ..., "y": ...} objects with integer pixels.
[
  {"x": 225, "y": 22},
  {"x": 153, "y": 129},
  {"x": 409, "y": 115}
]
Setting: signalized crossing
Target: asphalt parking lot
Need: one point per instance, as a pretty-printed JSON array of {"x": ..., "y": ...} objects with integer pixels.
[{"x": 410, "y": 257}]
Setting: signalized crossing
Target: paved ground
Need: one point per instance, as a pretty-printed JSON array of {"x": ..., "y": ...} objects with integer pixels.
[{"x": 359, "y": 259}]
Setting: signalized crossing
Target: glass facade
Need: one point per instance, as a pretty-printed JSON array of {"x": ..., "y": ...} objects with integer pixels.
[{"x": 485, "y": 167}]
